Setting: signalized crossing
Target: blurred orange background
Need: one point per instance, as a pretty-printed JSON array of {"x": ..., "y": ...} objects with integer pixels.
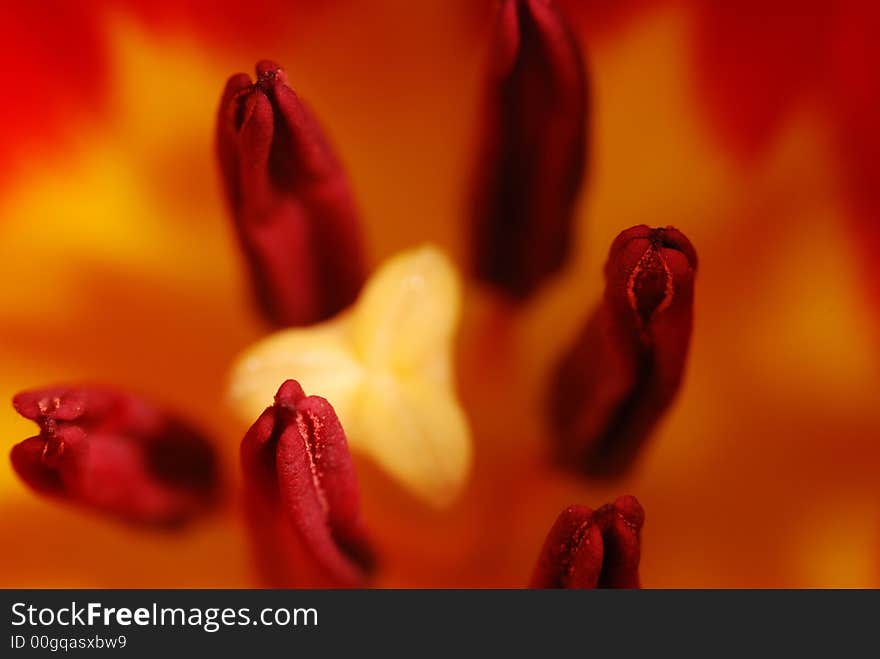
[{"x": 753, "y": 129}]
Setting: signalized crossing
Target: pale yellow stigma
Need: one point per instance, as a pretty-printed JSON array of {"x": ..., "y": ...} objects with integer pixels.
[{"x": 385, "y": 366}]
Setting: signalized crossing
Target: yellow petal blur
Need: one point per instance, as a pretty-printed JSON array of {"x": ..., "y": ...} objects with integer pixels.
[
  {"x": 319, "y": 357},
  {"x": 407, "y": 310},
  {"x": 385, "y": 367}
]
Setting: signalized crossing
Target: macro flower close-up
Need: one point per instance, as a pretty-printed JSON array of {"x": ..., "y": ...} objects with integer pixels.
[{"x": 440, "y": 294}]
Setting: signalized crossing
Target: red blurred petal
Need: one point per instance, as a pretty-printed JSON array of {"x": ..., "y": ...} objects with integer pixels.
[
  {"x": 755, "y": 60},
  {"x": 602, "y": 17},
  {"x": 53, "y": 66},
  {"x": 229, "y": 23},
  {"x": 854, "y": 102}
]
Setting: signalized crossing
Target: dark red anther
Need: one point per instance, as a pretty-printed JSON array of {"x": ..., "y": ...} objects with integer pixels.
[
  {"x": 302, "y": 495},
  {"x": 117, "y": 454},
  {"x": 291, "y": 201},
  {"x": 533, "y": 149},
  {"x": 625, "y": 368},
  {"x": 593, "y": 549}
]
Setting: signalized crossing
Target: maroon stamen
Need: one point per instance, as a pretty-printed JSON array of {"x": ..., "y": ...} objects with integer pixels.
[
  {"x": 302, "y": 495},
  {"x": 293, "y": 208},
  {"x": 115, "y": 453},
  {"x": 625, "y": 368},
  {"x": 593, "y": 549},
  {"x": 533, "y": 150}
]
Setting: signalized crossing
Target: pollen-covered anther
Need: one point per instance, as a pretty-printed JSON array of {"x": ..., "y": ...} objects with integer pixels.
[
  {"x": 593, "y": 549},
  {"x": 289, "y": 195},
  {"x": 302, "y": 495},
  {"x": 532, "y": 152},
  {"x": 114, "y": 453},
  {"x": 623, "y": 371},
  {"x": 650, "y": 286}
]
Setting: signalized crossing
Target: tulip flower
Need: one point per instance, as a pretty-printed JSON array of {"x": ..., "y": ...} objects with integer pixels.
[{"x": 126, "y": 260}]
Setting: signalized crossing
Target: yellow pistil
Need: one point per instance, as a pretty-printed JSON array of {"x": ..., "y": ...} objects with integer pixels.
[{"x": 385, "y": 366}]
